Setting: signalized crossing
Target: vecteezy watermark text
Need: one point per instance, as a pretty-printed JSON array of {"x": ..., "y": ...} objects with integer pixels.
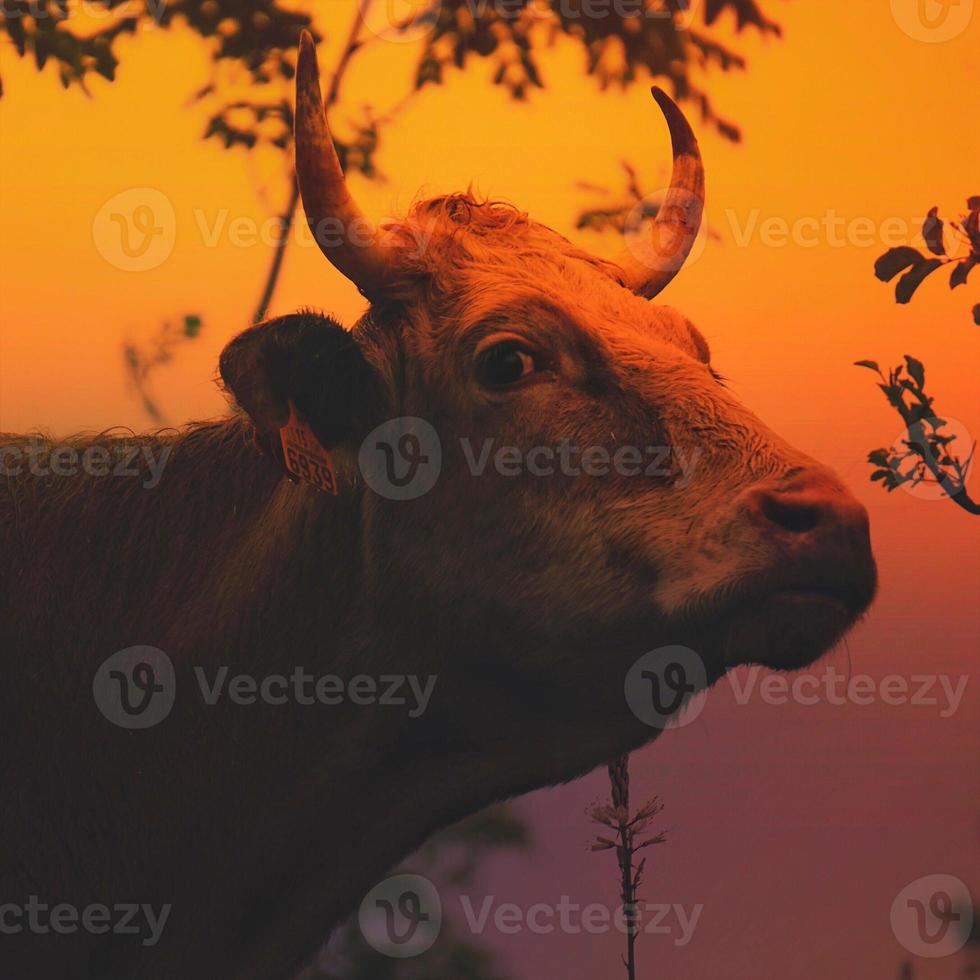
[
  {"x": 402, "y": 459},
  {"x": 572, "y": 919},
  {"x": 136, "y": 688},
  {"x": 567, "y": 459},
  {"x": 940, "y": 691},
  {"x": 65, "y": 919},
  {"x": 664, "y": 687},
  {"x": 830, "y": 229},
  {"x": 92, "y": 10},
  {"x": 303, "y": 688},
  {"x": 41, "y": 458},
  {"x": 402, "y": 916}
]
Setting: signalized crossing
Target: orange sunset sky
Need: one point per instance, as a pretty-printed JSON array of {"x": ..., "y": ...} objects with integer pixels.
[{"x": 849, "y": 122}]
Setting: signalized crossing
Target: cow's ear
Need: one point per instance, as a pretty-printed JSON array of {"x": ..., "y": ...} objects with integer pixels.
[{"x": 315, "y": 364}]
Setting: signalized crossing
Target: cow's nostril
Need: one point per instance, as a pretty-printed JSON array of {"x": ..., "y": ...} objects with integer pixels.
[{"x": 792, "y": 515}]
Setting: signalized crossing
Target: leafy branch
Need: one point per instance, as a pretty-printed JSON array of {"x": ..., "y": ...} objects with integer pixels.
[
  {"x": 915, "y": 265},
  {"x": 657, "y": 39},
  {"x": 615, "y": 215},
  {"x": 260, "y": 38},
  {"x": 140, "y": 361},
  {"x": 255, "y": 34},
  {"x": 623, "y": 212},
  {"x": 928, "y": 456},
  {"x": 450, "y": 860}
]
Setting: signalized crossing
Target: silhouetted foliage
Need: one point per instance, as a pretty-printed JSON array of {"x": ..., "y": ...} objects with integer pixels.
[
  {"x": 915, "y": 266},
  {"x": 623, "y": 212},
  {"x": 659, "y": 37},
  {"x": 141, "y": 360},
  {"x": 630, "y": 209},
  {"x": 928, "y": 455},
  {"x": 450, "y": 860},
  {"x": 260, "y": 37},
  {"x": 256, "y": 34}
]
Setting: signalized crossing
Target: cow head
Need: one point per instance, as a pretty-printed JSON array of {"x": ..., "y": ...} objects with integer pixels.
[{"x": 626, "y": 498}]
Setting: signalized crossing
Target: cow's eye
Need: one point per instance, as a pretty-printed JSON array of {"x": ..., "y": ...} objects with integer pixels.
[{"x": 505, "y": 363}]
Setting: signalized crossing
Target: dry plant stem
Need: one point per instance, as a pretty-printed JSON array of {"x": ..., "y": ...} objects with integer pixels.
[
  {"x": 286, "y": 220},
  {"x": 619, "y": 778},
  {"x": 628, "y": 839}
]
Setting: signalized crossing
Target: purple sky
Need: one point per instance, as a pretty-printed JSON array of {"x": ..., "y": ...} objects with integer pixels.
[{"x": 794, "y": 826}]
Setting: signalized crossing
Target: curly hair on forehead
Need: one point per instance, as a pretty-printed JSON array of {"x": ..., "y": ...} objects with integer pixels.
[{"x": 447, "y": 241}]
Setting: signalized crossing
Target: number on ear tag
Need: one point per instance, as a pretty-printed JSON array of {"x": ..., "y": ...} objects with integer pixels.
[{"x": 305, "y": 458}]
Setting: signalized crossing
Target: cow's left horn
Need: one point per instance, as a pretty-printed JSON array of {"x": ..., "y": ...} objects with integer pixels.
[
  {"x": 344, "y": 234},
  {"x": 650, "y": 263}
]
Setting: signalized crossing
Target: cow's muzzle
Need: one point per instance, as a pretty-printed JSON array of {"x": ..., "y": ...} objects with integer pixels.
[{"x": 821, "y": 575}]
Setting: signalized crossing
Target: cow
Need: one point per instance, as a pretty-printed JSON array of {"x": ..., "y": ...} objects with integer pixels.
[{"x": 515, "y": 599}]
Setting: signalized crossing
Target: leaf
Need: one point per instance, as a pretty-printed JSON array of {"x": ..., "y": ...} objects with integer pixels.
[
  {"x": 973, "y": 202},
  {"x": 916, "y": 370},
  {"x": 879, "y": 457},
  {"x": 961, "y": 270},
  {"x": 976, "y": 314},
  {"x": 932, "y": 232},
  {"x": 895, "y": 260},
  {"x": 192, "y": 325},
  {"x": 871, "y": 365},
  {"x": 916, "y": 413},
  {"x": 912, "y": 279},
  {"x": 893, "y": 393}
]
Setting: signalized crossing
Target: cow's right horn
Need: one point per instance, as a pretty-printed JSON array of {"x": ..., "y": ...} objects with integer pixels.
[
  {"x": 345, "y": 236},
  {"x": 652, "y": 261}
]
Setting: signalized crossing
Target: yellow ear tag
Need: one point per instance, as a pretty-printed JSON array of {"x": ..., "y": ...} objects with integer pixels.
[{"x": 303, "y": 455}]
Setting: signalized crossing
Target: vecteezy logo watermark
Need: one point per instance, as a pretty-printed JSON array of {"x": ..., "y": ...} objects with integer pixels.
[
  {"x": 932, "y": 438},
  {"x": 662, "y": 247},
  {"x": 400, "y": 20},
  {"x": 663, "y": 682},
  {"x": 572, "y": 919},
  {"x": 303, "y": 688},
  {"x": 401, "y": 916},
  {"x": 401, "y": 459},
  {"x": 247, "y": 231},
  {"x": 830, "y": 229},
  {"x": 136, "y": 229},
  {"x": 409, "y": 20},
  {"x": 933, "y": 916},
  {"x": 146, "y": 14},
  {"x": 118, "y": 458},
  {"x": 136, "y": 687},
  {"x": 932, "y": 21},
  {"x": 943, "y": 692},
  {"x": 571, "y": 460},
  {"x": 64, "y": 919}
]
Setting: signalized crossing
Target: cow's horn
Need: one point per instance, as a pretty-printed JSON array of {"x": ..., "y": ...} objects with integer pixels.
[
  {"x": 651, "y": 262},
  {"x": 344, "y": 234}
]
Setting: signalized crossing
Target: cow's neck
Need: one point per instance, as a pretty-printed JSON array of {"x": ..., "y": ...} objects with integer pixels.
[
  {"x": 263, "y": 824},
  {"x": 357, "y": 787}
]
